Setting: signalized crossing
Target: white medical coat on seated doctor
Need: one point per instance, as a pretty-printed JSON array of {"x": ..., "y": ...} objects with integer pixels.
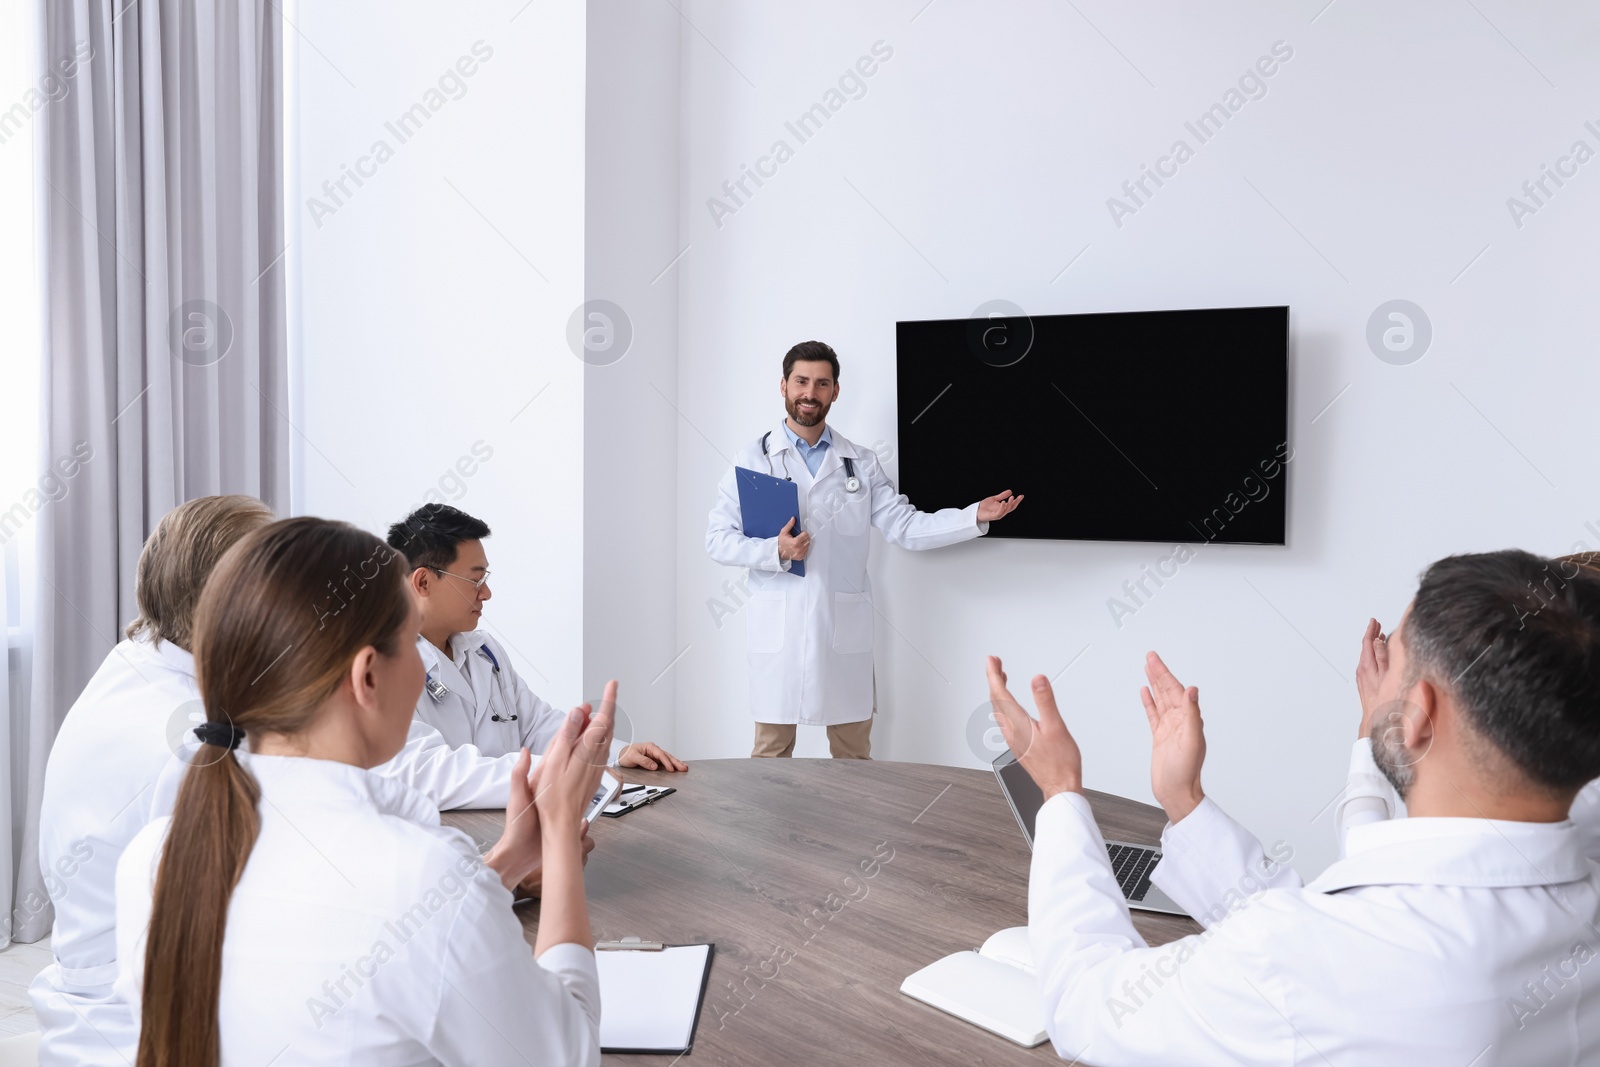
[
  {"x": 485, "y": 703},
  {"x": 364, "y": 932},
  {"x": 1435, "y": 941},
  {"x": 1209, "y": 872},
  {"x": 809, "y": 639},
  {"x": 113, "y": 768}
]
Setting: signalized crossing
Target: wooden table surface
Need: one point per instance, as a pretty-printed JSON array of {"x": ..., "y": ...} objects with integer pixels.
[{"x": 824, "y": 883}]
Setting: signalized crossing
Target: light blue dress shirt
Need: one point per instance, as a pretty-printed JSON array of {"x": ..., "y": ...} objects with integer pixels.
[{"x": 811, "y": 454}]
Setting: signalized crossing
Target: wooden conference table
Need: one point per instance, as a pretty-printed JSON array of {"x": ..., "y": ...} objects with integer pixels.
[{"x": 864, "y": 871}]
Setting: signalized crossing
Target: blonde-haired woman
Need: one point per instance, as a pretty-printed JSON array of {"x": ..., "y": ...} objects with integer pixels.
[{"x": 297, "y": 909}]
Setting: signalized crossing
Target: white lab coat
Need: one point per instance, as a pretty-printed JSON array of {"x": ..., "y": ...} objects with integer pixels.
[
  {"x": 1425, "y": 945},
  {"x": 1196, "y": 868},
  {"x": 112, "y": 769},
  {"x": 450, "y": 776},
  {"x": 364, "y": 932},
  {"x": 809, "y": 639},
  {"x": 100, "y": 787},
  {"x": 1368, "y": 797},
  {"x": 477, "y": 692}
]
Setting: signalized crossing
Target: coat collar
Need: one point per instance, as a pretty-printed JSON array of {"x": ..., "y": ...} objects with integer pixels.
[
  {"x": 1454, "y": 851},
  {"x": 462, "y": 645},
  {"x": 778, "y": 441},
  {"x": 165, "y": 654}
]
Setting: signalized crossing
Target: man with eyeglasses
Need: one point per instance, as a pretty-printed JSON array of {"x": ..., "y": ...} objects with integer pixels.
[{"x": 473, "y": 694}]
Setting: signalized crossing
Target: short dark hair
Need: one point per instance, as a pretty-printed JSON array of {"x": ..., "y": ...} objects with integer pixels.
[
  {"x": 812, "y": 350},
  {"x": 1515, "y": 638},
  {"x": 428, "y": 536}
]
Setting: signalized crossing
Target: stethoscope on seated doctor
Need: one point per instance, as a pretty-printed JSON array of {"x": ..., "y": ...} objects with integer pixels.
[
  {"x": 438, "y": 690},
  {"x": 851, "y": 482}
]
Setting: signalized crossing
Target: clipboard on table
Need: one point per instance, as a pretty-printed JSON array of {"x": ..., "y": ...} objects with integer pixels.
[
  {"x": 634, "y": 797},
  {"x": 653, "y": 995},
  {"x": 766, "y": 504}
]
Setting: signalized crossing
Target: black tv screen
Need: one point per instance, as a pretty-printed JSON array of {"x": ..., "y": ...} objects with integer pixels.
[{"x": 1167, "y": 426}]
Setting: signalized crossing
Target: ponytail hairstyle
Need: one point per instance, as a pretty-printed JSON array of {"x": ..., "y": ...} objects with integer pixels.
[{"x": 278, "y": 624}]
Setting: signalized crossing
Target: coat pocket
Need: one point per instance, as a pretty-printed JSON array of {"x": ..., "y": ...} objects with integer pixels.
[
  {"x": 852, "y": 623},
  {"x": 764, "y": 623},
  {"x": 854, "y": 513}
]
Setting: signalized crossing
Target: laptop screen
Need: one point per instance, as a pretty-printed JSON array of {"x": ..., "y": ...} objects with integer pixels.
[{"x": 1021, "y": 793}]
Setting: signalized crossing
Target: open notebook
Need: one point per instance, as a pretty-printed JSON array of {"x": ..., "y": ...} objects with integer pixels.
[
  {"x": 650, "y": 1000},
  {"x": 994, "y": 987}
]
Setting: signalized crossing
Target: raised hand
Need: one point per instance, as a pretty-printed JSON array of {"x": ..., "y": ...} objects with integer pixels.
[
  {"x": 1370, "y": 669},
  {"x": 568, "y": 774},
  {"x": 571, "y": 767},
  {"x": 1045, "y": 748},
  {"x": 516, "y": 855},
  {"x": 998, "y": 506},
  {"x": 1177, "y": 739},
  {"x": 533, "y": 884}
]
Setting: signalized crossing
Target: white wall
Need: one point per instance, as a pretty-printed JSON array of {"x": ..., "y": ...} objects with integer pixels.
[
  {"x": 630, "y": 427},
  {"x": 978, "y": 165},
  {"x": 431, "y": 305}
]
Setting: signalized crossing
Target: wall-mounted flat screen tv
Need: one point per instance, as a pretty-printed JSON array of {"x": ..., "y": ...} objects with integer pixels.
[{"x": 1167, "y": 426}]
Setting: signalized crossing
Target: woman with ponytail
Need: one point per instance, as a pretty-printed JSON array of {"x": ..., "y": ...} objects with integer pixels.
[{"x": 297, "y": 909}]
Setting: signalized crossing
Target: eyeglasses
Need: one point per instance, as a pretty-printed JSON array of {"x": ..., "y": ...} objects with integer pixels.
[{"x": 477, "y": 583}]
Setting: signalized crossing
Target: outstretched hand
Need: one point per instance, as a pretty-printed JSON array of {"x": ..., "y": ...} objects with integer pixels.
[
  {"x": 1177, "y": 739},
  {"x": 1045, "y": 747},
  {"x": 998, "y": 506}
]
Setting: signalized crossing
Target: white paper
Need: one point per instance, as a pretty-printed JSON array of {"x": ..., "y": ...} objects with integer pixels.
[{"x": 649, "y": 1000}]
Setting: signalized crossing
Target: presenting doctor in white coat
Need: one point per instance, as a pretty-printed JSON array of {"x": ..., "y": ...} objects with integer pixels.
[
  {"x": 1461, "y": 934},
  {"x": 809, "y": 639}
]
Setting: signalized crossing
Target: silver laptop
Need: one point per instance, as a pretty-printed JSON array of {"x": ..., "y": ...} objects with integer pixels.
[{"x": 1131, "y": 863}]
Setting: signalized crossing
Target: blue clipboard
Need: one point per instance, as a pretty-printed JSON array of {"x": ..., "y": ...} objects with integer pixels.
[{"x": 766, "y": 504}]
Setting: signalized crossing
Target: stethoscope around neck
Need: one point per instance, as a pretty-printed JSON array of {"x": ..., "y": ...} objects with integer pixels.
[
  {"x": 852, "y": 484},
  {"x": 438, "y": 690}
]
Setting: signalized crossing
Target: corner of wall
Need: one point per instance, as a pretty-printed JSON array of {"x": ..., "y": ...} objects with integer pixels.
[{"x": 629, "y": 329}]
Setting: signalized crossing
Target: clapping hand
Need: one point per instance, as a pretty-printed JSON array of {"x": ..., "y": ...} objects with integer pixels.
[
  {"x": 515, "y": 856},
  {"x": 552, "y": 800},
  {"x": 571, "y": 768},
  {"x": 1045, "y": 748},
  {"x": 1370, "y": 669},
  {"x": 1177, "y": 739},
  {"x": 532, "y": 885}
]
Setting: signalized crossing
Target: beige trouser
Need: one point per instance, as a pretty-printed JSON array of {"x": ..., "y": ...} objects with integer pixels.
[{"x": 849, "y": 740}]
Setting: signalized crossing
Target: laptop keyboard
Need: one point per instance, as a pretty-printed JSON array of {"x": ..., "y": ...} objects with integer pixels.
[{"x": 1132, "y": 866}]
